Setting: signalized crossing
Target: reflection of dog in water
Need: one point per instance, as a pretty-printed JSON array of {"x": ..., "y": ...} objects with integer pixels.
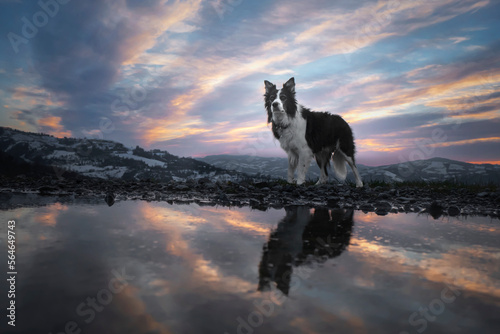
[{"x": 302, "y": 237}]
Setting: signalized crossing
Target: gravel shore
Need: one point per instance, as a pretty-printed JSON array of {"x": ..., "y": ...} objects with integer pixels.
[{"x": 436, "y": 200}]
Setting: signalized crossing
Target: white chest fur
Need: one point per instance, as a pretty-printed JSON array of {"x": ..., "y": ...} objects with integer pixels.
[{"x": 293, "y": 138}]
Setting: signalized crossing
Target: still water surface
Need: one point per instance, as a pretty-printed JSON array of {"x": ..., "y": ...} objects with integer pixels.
[{"x": 140, "y": 267}]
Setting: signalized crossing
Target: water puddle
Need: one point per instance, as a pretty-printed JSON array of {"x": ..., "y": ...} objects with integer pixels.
[{"x": 141, "y": 267}]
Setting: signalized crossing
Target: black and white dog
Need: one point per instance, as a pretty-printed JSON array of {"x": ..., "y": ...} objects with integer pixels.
[{"x": 305, "y": 134}]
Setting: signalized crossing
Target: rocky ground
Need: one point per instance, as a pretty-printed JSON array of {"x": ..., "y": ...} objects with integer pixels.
[{"x": 434, "y": 199}]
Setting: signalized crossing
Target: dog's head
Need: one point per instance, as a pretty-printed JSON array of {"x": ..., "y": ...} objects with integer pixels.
[{"x": 280, "y": 104}]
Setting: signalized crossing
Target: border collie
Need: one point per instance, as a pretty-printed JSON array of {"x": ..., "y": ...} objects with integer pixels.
[{"x": 305, "y": 134}]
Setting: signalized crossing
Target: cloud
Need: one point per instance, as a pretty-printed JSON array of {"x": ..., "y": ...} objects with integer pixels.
[
  {"x": 88, "y": 58},
  {"x": 474, "y": 48},
  {"x": 468, "y": 86},
  {"x": 52, "y": 125},
  {"x": 473, "y": 29},
  {"x": 80, "y": 55},
  {"x": 344, "y": 32},
  {"x": 457, "y": 40},
  {"x": 466, "y": 142}
]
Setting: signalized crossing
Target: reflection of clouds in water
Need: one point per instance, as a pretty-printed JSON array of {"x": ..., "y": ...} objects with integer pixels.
[
  {"x": 192, "y": 277},
  {"x": 196, "y": 267},
  {"x": 62, "y": 277},
  {"x": 176, "y": 226},
  {"x": 200, "y": 284},
  {"x": 458, "y": 266},
  {"x": 400, "y": 246},
  {"x": 48, "y": 215},
  {"x": 65, "y": 257},
  {"x": 243, "y": 220}
]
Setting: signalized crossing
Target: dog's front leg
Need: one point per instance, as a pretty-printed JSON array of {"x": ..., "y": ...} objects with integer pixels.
[
  {"x": 304, "y": 162},
  {"x": 292, "y": 166}
]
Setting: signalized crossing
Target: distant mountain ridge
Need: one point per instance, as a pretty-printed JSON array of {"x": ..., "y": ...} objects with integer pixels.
[
  {"x": 434, "y": 169},
  {"x": 97, "y": 158},
  {"x": 38, "y": 154}
]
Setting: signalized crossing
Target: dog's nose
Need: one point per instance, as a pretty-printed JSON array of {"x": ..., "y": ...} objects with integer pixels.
[{"x": 275, "y": 104}]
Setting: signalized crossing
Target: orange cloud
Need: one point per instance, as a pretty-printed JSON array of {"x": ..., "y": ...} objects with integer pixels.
[
  {"x": 492, "y": 162},
  {"x": 378, "y": 145},
  {"x": 246, "y": 132},
  {"x": 26, "y": 97},
  {"x": 168, "y": 130},
  {"x": 466, "y": 142},
  {"x": 53, "y": 122}
]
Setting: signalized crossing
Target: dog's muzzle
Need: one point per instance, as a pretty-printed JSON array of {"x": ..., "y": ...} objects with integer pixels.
[{"x": 277, "y": 108}]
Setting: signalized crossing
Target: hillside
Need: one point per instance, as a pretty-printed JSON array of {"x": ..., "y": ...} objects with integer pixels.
[{"x": 35, "y": 154}]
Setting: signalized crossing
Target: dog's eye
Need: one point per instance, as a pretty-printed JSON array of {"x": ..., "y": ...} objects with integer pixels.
[
  {"x": 283, "y": 97},
  {"x": 273, "y": 97}
]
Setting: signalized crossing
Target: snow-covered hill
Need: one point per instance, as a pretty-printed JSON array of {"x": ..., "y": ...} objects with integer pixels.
[
  {"x": 435, "y": 169},
  {"x": 108, "y": 159},
  {"x": 105, "y": 159}
]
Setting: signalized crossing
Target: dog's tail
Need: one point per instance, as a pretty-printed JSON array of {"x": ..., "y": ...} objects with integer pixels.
[{"x": 339, "y": 165}]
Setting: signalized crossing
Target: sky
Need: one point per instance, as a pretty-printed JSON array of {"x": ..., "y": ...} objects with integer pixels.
[{"x": 414, "y": 79}]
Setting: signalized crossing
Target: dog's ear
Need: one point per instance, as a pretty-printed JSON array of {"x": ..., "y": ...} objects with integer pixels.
[
  {"x": 269, "y": 85},
  {"x": 290, "y": 85}
]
